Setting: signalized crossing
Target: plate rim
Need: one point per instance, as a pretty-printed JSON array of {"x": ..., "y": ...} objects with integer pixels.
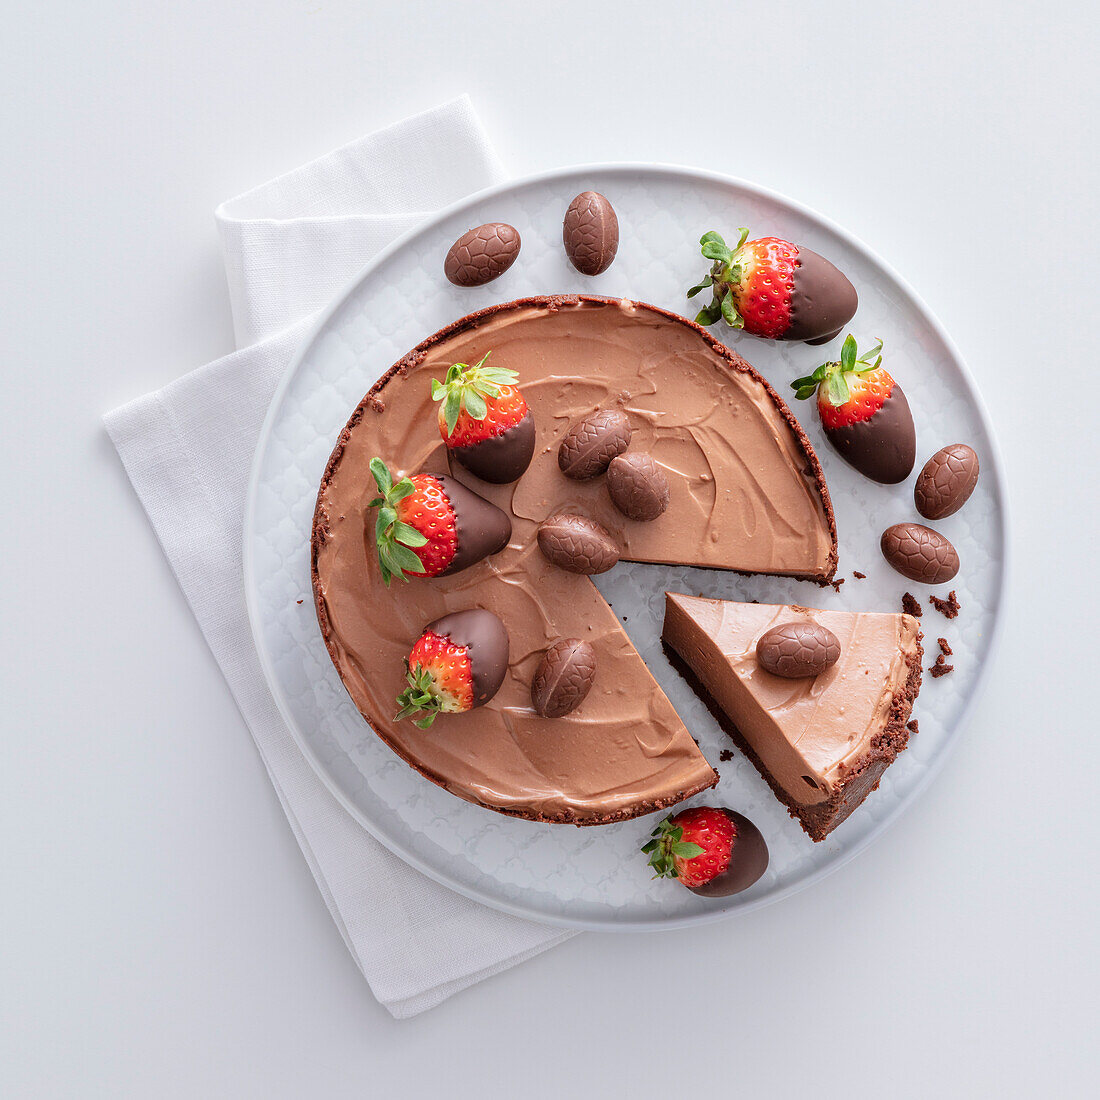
[{"x": 251, "y": 588}]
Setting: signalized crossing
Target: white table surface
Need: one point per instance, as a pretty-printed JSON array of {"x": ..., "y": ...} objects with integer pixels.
[{"x": 161, "y": 935}]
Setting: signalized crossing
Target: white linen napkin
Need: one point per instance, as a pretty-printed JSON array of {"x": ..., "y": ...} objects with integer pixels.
[{"x": 290, "y": 245}]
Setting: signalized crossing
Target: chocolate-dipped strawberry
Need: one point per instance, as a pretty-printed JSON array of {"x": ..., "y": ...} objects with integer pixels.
[
  {"x": 775, "y": 289},
  {"x": 864, "y": 413},
  {"x": 711, "y": 850},
  {"x": 457, "y": 663},
  {"x": 430, "y": 525},
  {"x": 484, "y": 421}
]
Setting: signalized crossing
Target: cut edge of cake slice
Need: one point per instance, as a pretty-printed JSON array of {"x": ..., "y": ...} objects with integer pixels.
[{"x": 821, "y": 743}]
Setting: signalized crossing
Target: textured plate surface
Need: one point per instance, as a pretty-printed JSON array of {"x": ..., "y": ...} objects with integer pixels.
[{"x": 595, "y": 877}]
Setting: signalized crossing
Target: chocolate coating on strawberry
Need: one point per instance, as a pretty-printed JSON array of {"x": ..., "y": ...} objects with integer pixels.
[
  {"x": 482, "y": 528},
  {"x": 775, "y": 289},
  {"x": 502, "y": 458},
  {"x": 823, "y": 300},
  {"x": 484, "y": 421},
  {"x": 883, "y": 448},
  {"x": 485, "y": 640},
  {"x": 864, "y": 413}
]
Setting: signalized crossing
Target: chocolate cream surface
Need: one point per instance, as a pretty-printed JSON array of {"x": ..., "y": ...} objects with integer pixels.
[
  {"x": 810, "y": 733},
  {"x": 747, "y": 494}
]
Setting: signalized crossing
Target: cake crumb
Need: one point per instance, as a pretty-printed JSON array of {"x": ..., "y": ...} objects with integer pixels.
[
  {"x": 945, "y": 649},
  {"x": 835, "y": 585},
  {"x": 725, "y": 755},
  {"x": 299, "y": 601},
  {"x": 858, "y": 575},
  {"x": 948, "y": 608},
  {"x": 913, "y": 726},
  {"x": 941, "y": 667},
  {"x": 910, "y": 605}
]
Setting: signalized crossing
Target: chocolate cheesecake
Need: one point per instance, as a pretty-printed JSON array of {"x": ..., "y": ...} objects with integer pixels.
[
  {"x": 747, "y": 494},
  {"x": 821, "y": 742}
]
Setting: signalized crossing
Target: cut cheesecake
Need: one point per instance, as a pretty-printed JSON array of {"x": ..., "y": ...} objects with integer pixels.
[
  {"x": 747, "y": 494},
  {"x": 822, "y": 743}
]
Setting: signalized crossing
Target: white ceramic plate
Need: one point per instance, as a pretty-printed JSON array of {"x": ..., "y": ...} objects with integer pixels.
[{"x": 595, "y": 877}]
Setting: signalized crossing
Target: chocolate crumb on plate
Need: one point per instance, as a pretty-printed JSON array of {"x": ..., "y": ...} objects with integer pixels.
[
  {"x": 948, "y": 608},
  {"x": 945, "y": 649},
  {"x": 941, "y": 667},
  {"x": 858, "y": 575},
  {"x": 725, "y": 754},
  {"x": 910, "y": 605},
  {"x": 913, "y": 726},
  {"x": 835, "y": 585}
]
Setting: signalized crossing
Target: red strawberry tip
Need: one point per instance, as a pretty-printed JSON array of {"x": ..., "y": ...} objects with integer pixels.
[
  {"x": 667, "y": 845},
  {"x": 466, "y": 387},
  {"x": 418, "y": 698},
  {"x": 830, "y": 379},
  {"x": 395, "y": 540}
]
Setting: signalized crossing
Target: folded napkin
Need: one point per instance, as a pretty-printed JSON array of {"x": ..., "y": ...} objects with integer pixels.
[{"x": 290, "y": 246}]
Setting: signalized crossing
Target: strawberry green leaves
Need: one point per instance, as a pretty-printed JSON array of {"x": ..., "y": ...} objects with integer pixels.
[
  {"x": 848, "y": 353},
  {"x": 466, "y": 387},
  {"x": 807, "y": 387},
  {"x": 714, "y": 248},
  {"x": 708, "y": 281},
  {"x": 865, "y": 360},
  {"x": 395, "y": 540},
  {"x": 666, "y": 845},
  {"x": 724, "y": 275},
  {"x": 831, "y": 379},
  {"x": 419, "y": 697},
  {"x": 730, "y": 314}
]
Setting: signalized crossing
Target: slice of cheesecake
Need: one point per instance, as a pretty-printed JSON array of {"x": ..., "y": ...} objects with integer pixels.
[{"x": 822, "y": 743}]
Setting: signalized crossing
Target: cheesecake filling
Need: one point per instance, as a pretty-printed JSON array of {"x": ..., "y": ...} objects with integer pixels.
[
  {"x": 809, "y": 733},
  {"x": 744, "y": 496}
]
